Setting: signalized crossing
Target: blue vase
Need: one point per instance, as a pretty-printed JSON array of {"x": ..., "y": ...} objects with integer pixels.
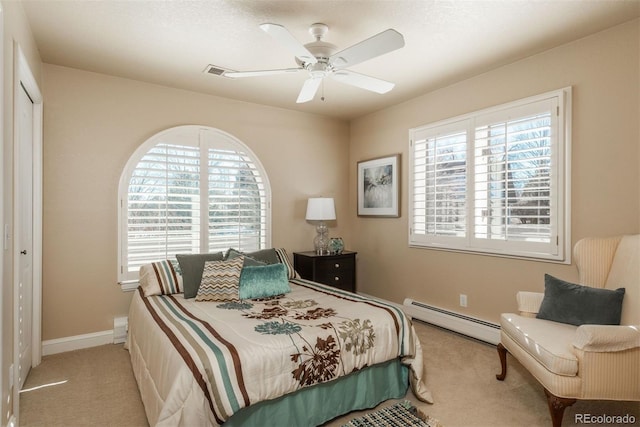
[{"x": 336, "y": 246}]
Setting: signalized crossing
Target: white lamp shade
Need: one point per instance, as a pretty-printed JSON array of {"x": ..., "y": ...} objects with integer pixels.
[{"x": 321, "y": 209}]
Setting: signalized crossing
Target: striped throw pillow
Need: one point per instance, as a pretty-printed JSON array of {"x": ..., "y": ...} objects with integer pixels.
[
  {"x": 284, "y": 259},
  {"x": 220, "y": 280},
  {"x": 160, "y": 278}
]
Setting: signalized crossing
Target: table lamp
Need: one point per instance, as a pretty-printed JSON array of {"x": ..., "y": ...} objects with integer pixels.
[{"x": 321, "y": 209}]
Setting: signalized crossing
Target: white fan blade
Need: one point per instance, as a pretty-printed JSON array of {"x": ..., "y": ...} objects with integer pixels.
[
  {"x": 377, "y": 45},
  {"x": 282, "y": 35},
  {"x": 308, "y": 90},
  {"x": 237, "y": 74},
  {"x": 362, "y": 81}
]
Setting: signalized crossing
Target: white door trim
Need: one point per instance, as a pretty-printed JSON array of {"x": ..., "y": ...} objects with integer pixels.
[
  {"x": 4, "y": 385},
  {"x": 23, "y": 78}
]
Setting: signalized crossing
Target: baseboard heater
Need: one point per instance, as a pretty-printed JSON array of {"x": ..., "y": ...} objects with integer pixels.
[
  {"x": 120, "y": 329},
  {"x": 460, "y": 323}
]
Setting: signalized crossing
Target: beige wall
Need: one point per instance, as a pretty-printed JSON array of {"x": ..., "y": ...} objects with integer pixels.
[
  {"x": 93, "y": 123},
  {"x": 16, "y": 32},
  {"x": 605, "y": 75}
]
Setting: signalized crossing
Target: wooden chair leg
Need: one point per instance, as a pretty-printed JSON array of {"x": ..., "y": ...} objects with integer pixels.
[
  {"x": 502, "y": 353},
  {"x": 557, "y": 406}
]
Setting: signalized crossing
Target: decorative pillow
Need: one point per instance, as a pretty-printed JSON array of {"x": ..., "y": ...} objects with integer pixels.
[
  {"x": 284, "y": 259},
  {"x": 220, "y": 280},
  {"x": 264, "y": 281},
  {"x": 160, "y": 278},
  {"x": 265, "y": 256},
  {"x": 566, "y": 302},
  {"x": 248, "y": 260},
  {"x": 192, "y": 266}
]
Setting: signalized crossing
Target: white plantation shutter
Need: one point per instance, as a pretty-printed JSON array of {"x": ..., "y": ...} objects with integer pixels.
[
  {"x": 440, "y": 182},
  {"x": 191, "y": 190},
  {"x": 237, "y": 202},
  {"x": 163, "y": 205},
  {"x": 512, "y": 175},
  {"x": 494, "y": 181}
]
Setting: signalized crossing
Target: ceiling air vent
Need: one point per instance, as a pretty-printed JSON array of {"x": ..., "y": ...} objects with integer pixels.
[{"x": 216, "y": 71}]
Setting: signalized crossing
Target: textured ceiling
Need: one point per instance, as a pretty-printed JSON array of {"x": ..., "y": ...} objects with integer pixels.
[{"x": 171, "y": 42}]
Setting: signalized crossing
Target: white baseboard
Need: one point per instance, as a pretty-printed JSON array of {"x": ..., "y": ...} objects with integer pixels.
[{"x": 77, "y": 342}]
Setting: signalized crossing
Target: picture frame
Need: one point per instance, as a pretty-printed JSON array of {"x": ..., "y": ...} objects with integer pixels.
[{"x": 379, "y": 187}]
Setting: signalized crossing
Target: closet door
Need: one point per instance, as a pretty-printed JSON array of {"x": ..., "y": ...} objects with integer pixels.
[{"x": 25, "y": 233}]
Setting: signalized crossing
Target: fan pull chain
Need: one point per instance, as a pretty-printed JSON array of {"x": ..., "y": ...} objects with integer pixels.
[{"x": 322, "y": 95}]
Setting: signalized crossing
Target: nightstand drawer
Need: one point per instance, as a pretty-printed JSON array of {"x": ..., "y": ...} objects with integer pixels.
[
  {"x": 342, "y": 280},
  {"x": 335, "y": 265}
]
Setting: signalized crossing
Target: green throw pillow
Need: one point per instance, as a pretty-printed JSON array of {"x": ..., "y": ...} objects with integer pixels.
[
  {"x": 263, "y": 281},
  {"x": 192, "y": 266},
  {"x": 566, "y": 302}
]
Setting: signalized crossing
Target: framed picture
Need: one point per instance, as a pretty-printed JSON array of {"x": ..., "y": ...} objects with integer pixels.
[{"x": 379, "y": 187}]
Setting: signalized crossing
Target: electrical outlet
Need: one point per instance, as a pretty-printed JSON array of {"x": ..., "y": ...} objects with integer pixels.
[{"x": 463, "y": 300}]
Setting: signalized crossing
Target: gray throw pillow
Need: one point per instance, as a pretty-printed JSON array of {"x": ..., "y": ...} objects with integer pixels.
[
  {"x": 192, "y": 266},
  {"x": 566, "y": 302},
  {"x": 263, "y": 256}
]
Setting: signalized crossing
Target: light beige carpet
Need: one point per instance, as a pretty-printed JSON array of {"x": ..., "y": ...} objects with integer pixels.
[
  {"x": 99, "y": 389},
  {"x": 90, "y": 387}
]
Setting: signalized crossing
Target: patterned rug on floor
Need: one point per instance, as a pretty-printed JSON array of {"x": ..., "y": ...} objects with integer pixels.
[{"x": 399, "y": 415}]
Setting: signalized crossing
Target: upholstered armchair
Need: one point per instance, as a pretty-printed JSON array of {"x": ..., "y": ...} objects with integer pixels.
[{"x": 582, "y": 361}]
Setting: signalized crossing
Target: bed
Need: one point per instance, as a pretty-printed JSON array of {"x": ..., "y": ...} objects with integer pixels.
[{"x": 299, "y": 358}]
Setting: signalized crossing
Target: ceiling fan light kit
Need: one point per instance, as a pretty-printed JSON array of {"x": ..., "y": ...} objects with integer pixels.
[{"x": 320, "y": 59}]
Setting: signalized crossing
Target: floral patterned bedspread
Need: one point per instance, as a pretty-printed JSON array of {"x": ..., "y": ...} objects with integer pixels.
[{"x": 241, "y": 353}]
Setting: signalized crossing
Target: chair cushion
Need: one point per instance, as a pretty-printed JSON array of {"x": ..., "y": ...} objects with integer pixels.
[{"x": 546, "y": 341}]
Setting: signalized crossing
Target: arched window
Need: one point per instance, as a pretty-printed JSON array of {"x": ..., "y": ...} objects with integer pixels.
[{"x": 190, "y": 189}]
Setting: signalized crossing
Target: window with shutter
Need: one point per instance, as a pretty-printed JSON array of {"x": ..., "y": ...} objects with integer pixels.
[
  {"x": 191, "y": 189},
  {"x": 495, "y": 181}
]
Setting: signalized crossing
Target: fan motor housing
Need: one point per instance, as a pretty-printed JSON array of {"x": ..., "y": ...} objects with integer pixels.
[
  {"x": 321, "y": 50},
  {"x": 319, "y": 69}
]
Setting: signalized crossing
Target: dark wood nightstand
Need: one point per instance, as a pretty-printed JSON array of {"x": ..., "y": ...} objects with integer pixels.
[{"x": 338, "y": 271}]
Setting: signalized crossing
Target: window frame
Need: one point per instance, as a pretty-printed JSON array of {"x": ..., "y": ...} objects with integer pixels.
[
  {"x": 186, "y": 135},
  {"x": 560, "y": 186}
]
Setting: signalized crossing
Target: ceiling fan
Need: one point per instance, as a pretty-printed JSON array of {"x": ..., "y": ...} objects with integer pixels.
[{"x": 321, "y": 59}]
